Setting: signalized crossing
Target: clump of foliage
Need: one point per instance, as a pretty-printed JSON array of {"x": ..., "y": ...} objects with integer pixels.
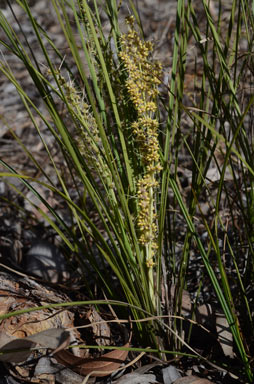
[{"x": 123, "y": 160}]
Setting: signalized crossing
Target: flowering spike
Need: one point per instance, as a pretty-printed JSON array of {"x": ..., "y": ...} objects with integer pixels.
[{"x": 142, "y": 82}]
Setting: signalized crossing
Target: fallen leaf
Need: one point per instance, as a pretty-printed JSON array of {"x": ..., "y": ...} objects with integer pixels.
[
  {"x": 225, "y": 337},
  {"x": 170, "y": 374},
  {"x": 19, "y": 349},
  {"x": 16, "y": 351},
  {"x": 137, "y": 378},
  {"x": 53, "y": 338},
  {"x": 98, "y": 367},
  {"x": 192, "y": 380},
  {"x": 48, "y": 366}
]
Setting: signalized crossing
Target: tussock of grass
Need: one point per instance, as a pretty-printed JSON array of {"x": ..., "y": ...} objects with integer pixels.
[{"x": 124, "y": 161}]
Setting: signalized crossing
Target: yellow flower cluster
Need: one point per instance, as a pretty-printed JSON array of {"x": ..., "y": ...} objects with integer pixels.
[
  {"x": 143, "y": 75},
  {"x": 142, "y": 84},
  {"x": 87, "y": 136}
]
